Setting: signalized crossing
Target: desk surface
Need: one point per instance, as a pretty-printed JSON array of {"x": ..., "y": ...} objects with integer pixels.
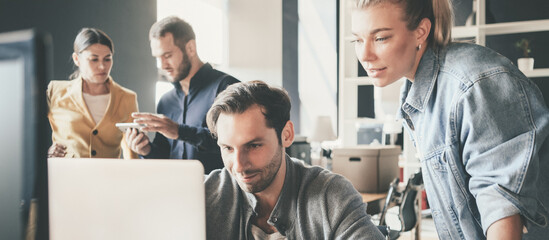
[
  {"x": 371, "y": 197},
  {"x": 375, "y": 202}
]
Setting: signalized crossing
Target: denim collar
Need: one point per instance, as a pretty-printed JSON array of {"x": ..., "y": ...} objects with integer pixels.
[{"x": 415, "y": 95}]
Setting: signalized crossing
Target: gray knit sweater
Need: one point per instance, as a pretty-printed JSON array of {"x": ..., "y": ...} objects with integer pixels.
[{"x": 314, "y": 204}]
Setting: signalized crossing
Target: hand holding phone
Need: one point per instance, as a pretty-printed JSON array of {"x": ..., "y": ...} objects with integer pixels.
[
  {"x": 124, "y": 126},
  {"x": 136, "y": 140},
  {"x": 157, "y": 123}
]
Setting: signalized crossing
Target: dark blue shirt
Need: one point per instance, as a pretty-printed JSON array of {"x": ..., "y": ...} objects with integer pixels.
[{"x": 195, "y": 140}]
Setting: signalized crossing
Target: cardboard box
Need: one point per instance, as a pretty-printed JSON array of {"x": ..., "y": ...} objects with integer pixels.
[{"x": 369, "y": 168}]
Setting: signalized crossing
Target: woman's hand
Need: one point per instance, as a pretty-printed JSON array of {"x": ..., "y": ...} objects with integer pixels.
[
  {"x": 57, "y": 150},
  {"x": 138, "y": 142}
]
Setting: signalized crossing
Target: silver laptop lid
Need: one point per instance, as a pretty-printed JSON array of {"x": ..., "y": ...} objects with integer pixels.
[{"x": 126, "y": 199}]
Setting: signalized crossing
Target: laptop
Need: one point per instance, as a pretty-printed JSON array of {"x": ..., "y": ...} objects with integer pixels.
[{"x": 126, "y": 199}]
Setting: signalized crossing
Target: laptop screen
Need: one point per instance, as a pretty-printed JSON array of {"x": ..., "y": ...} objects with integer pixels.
[{"x": 126, "y": 199}]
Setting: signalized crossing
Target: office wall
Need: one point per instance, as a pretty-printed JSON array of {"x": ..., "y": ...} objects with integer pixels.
[
  {"x": 254, "y": 40},
  {"x": 126, "y": 22}
]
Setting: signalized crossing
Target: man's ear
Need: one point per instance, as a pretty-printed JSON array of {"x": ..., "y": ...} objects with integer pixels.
[
  {"x": 288, "y": 134},
  {"x": 190, "y": 48},
  {"x": 422, "y": 31},
  {"x": 75, "y": 59}
]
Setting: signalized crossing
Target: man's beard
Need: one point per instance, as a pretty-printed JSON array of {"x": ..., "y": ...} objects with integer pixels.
[
  {"x": 183, "y": 70},
  {"x": 268, "y": 175}
]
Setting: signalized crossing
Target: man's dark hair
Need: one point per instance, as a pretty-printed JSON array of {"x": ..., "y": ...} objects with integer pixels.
[
  {"x": 237, "y": 98},
  {"x": 182, "y": 31}
]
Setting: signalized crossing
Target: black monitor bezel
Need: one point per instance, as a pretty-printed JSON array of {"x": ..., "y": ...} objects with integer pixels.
[{"x": 33, "y": 47}]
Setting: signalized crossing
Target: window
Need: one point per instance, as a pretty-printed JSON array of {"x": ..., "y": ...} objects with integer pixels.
[
  {"x": 161, "y": 88},
  {"x": 207, "y": 19}
]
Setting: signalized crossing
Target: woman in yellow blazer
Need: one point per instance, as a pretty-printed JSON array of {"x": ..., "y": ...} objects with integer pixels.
[{"x": 84, "y": 110}]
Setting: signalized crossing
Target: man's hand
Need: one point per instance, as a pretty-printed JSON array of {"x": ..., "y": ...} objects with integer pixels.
[
  {"x": 138, "y": 141},
  {"x": 57, "y": 150},
  {"x": 157, "y": 123}
]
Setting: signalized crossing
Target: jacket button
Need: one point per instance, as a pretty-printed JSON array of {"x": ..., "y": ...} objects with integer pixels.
[
  {"x": 93, "y": 152},
  {"x": 275, "y": 220},
  {"x": 95, "y": 132}
]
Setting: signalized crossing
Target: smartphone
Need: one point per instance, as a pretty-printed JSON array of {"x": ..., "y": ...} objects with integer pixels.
[{"x": 124, "y": 126}]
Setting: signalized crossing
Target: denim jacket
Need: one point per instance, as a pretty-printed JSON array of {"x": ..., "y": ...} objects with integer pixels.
[
  {"x": 313, "y": 204},
  {"x": 481, "y": 131}
]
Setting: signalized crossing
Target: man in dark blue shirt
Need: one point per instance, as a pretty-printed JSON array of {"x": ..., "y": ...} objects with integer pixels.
[{"x": 180, "y": 125}]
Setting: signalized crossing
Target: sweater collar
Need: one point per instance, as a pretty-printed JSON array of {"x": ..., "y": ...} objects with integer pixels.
[{"x": 280, "y": 217}]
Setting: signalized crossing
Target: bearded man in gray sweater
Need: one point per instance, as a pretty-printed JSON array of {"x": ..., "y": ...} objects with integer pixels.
[{"x": 262, "y": 193}]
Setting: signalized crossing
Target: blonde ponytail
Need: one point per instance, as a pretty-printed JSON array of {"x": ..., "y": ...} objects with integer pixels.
[{"x": 442, "y": 25}]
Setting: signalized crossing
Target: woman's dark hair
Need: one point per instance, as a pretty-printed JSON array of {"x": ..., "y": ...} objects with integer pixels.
[
  {"x": 237, "y": 98},
  {"x": 87, "y": 37}
]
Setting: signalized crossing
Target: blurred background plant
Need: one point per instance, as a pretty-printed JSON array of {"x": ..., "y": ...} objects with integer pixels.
[{"x": 524, "y": 46}]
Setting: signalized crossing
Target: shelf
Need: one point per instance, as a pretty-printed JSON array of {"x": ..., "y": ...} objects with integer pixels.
[
  {"x": 362, "y": 120},
  {"x": 464, "y": 32},
  {"x": 501, "y": 28},
  {"x": 359, "y": 80},
  {"x": 406, "y": 163},
  {"x": 540, "y": 72}
]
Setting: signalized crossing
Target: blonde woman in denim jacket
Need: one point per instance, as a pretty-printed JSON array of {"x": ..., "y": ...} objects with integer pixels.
[{"x": 480, "y": 126}]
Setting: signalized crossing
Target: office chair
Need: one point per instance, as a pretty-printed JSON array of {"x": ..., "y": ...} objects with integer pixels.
[
  {"x": 407, "y": 202},
  {"x": 384, "y": 231}
]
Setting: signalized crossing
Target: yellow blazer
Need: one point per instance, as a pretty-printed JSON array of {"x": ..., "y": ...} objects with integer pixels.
[{"x": 73, "y": 126}]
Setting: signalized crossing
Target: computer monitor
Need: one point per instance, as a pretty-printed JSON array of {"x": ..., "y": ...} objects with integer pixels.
[{"x": 24, "y": 74}]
